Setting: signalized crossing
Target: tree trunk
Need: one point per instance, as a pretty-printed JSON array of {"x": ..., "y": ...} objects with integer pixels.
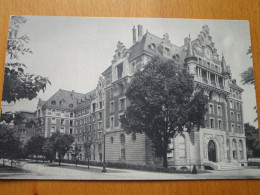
[
  {"x": 165, "y": 160},
  {"x": 59, "y": 161},
  {"x": 88, "y": 163}
]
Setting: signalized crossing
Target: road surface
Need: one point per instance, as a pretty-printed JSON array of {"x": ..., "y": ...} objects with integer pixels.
[{"x": 45, "y": 171}]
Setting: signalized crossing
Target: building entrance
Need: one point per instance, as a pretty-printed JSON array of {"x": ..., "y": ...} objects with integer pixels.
[{"x": 212, "y": 151}]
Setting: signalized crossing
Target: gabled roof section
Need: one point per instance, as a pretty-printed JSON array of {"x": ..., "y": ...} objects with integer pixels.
[
  {"x": 235, "y": 86},
  {"x": 64, "y": 100}
]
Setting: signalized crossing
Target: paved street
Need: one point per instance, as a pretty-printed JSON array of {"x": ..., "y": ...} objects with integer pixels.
[{"x": 66, "y": 172}]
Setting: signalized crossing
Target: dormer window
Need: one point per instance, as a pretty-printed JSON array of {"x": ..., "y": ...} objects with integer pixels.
[
  {"x": 152, "y": 46},
  {"x": 53, "y": 102}
]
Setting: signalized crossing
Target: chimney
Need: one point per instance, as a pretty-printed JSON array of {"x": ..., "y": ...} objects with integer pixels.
[
  {"x": 140, "y": 32},
  {"x": 134, "y": 35}
]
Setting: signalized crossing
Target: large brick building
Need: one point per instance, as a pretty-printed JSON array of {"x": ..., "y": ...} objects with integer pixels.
[{"x": 220, "y": 145}]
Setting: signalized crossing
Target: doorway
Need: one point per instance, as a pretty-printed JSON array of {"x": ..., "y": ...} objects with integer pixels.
[{"x": 212, "y": 153}]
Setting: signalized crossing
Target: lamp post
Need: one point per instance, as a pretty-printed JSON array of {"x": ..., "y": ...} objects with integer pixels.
[{"x": 104, "y": 153}]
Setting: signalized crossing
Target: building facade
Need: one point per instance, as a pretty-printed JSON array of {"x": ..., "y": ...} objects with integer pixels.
[{"x": 220, "y": 145}]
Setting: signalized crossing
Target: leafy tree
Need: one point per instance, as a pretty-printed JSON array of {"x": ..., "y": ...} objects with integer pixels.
[
  {"x": 87, "y": 148},
  {"x": 49, "y": 150},
  {"x": 252, "y": 140},
  {"x": 76, "y": 152},
  {"x": 248, "y": 75},
  {"x": 10, "y": 145},
  {"x": 17, "y": 83},
  {"x": 162, "y": 103},
  {"x": 61, "y": 143},
  {"x": 35, "y": 145}
]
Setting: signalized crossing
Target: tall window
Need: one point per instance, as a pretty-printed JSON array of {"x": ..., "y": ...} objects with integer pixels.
[
  {"x": 211, "y": 109},
  {"x": 71, "y": 131},
  {"x": 112, "y": 122},
  {"x": 241, "y": 152},
  {"x": 231, "y": 104},
  {"x": 234, "y": 149},
  {"x": 122, "y": 104},
  {"x": 182, "y": 147},
  {"x": 232, "y": 115},
  {"x": 111, "y": 107},
  {"x": 120, "y": 71},
  {"x": 62, "y": 122},
  {"x": 219, "y": 111},
  {"x": 220, "y": 124},
  {"x": 233, "y": 128},
  {"x": 122, "y": 142},
  {"x": 212, "y": 123},
  {"x": 239, "y": 117}
]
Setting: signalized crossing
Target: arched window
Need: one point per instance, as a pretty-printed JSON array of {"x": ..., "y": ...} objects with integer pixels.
[
  {"x": 71, "y": 114},
  {"x": 133, "y": 67},
  {"x": 210, "y": 95},
  {"x": 228, "y": 149},
  {"x": 182, "y": 147},
  {"x": 234, "y": 149},
  {"x": 53, "y": 102},
  {"x": 241, "y": 152},
  {"x": 122, "y": 141},
  {"x": 133, "y": 137}
]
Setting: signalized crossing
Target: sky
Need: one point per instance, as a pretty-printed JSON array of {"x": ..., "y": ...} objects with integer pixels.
[{"x": 73, "y": 51}]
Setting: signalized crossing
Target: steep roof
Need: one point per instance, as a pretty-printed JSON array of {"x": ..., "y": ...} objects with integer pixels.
[{"x": 235, "y": 86}]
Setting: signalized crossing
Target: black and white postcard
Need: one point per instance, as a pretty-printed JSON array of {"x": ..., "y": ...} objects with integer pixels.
[{"x": 128, "y": 99}]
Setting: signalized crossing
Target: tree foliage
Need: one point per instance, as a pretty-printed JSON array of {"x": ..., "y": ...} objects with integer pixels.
[
  {"x": 248, "y": 75},
  {"x": 76, "y": 152},
  {"x": 162, "y": 103},
  {"x": 87, "y": 147},
  {"x": 252, "y": 140},
  {"x": 35, "y": 145},
  {"x": 49, "y": 150},
  {"x": 10, "y": 145},
  {"x": 19, "y": 84},
  {"x": 61, "y": 143}
]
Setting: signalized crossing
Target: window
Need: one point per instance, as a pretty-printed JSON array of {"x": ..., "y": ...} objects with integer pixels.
[
  {"x": 62, "y": 121},
  {"x": 239, "y": 117},
  {"x": 100, "y": 105},
  {"x": 231, "y": 104},
  {"x": 219, "y": 111},
  {"x": 53, "y": 129},
  {"x": 71, "y": 115},
  {"x": 71, "y": 131},
  {"x": 211, "y": 109},
  {"x": 239, "y": 129},
  {"x": 133, "y": 67},
  {"x": 121, "y": 89},
  {"x": 122, "y": 154},
  {"x": 220, "y": 124},
  {"x": 53, "y": 121},
  {"x": 111, "y": 107},
  {"x": 62, "y": 130},
  {"x": 111, "y": 93},
  {"x": 200, "y": 61},
  {"x": 212, "y": 123},
  {"x": 167, "y": 51},
  {"x": 232, "y": 127},
  {"x": 238, "y": 106},
  {"x": 99, "y": 135},
  {"x": 90, "y": 127},
  {"x": 112, "y": 122},
  {"x": 100, "y": 115},
  {"x": 133, "y": 137},
  {"x": 111, "y": 140},
  {"x": 99, "y": 125},
  {"x": 122, "y": 104},
  {"x": 71, "y": 122},
  {"x": 94, "y": 107},
  {"x": 232, "y": 115},
  {"x": 122, "y": 139},
  {"x": 53, "y": 102},
  {"x": 182, "y": 147},
  {"x": 120, "y": 71}
]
